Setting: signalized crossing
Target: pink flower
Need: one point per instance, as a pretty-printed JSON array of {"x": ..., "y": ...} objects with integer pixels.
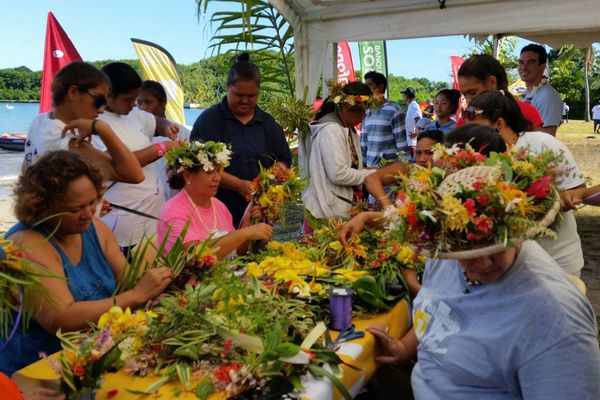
[
  {"x": 473, "y": 237},
  {"x": 483, "y": 224},
  {"x": 540, "y": 187}
]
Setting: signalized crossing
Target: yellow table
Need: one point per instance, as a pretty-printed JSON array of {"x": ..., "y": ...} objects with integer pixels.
[{"x": 359, "y": 353}]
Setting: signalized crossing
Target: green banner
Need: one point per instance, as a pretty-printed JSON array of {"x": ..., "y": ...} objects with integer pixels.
[{"x": 372, "y": 57}]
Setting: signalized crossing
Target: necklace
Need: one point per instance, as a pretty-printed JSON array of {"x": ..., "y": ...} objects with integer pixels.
[
  {"x": 214, "y": 212},
  {"x": 469, "y": 283}
]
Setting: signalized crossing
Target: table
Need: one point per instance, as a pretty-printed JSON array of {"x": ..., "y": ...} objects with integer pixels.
[{"x": 359, "y": 353}]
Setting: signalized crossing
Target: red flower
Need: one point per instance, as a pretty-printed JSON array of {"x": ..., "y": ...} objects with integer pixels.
[
  {"x": 222, "y": 372},
  {"x": 477, "y": 185},
  {"x": 383, "y": 256},
  {"x": 112, "y": 393},
  {"x": 482, "y": 199},
  {"x": 227, "y": 345},
  {"x": 78, "y": 370},
  {"x": 469, "y": 205},
  {"x": 313, "y": 356},
  {"x": 540, "y": 187},
  {"x": 375, "y": 264},
  {"x": 473, "y": 237},
  {"x": 483, "y": 224}
]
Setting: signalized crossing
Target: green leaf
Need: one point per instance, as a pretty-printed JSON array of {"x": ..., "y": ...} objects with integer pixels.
[{"x": 204, "y": 389}]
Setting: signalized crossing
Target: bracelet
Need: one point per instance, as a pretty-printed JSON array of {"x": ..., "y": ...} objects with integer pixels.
[
  {"x": 161, "y": 149},
  {"x": 94, "y": 131}
]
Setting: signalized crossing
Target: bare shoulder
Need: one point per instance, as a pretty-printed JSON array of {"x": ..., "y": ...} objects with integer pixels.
[
  {"x": 38, "y": 249},
  {"x": 102, "y": 230}
]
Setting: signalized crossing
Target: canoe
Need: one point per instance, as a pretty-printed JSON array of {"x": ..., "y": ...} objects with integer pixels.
[{"x": 12, "y": 141}]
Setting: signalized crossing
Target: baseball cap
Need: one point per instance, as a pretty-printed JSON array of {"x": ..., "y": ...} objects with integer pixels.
[{"x": 410, "y": 92}]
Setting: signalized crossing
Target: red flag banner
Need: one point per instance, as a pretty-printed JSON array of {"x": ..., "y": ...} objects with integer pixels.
[
  {"x": 345, "y": 66},
  {"x": 456, "y": 62},
  {"x": 58, "y": 52}
]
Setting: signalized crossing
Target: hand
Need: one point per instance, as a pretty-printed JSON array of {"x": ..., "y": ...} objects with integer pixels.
[
  {"x": 256, "y": 212},
  {"x": 570, "y": 199},
  {"x": 43, "y": 394},
  {"x": 81, "y": 128},
  {"x": 280, "y": 167},
  {"x": 260, "y": 231},
  {"x": 172, "y": 131},
  {"x": 244, "y": 189},
  {"x": 174, "y": 144},
  {"x": 153, "y": 283},
  {"x": 393, "y": 350},
  {"x": 351, "y": 228}
]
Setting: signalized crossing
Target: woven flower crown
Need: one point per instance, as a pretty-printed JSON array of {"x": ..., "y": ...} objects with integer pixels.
[
  {"x": 468, "y": 205},
  {"x": 206, "y": 155},
  {"x": 349, "y": 101}
]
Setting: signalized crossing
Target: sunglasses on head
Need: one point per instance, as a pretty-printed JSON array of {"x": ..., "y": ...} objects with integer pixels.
[
  {"x": 470, "y": 113},
  {"x": 99, "y": 99}
]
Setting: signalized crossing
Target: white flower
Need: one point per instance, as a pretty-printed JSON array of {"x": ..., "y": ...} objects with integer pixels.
[
  {"x": 222, "y": 157},
  {"x": 429, "y": 214},
  {"x": 337, "y": 99},
  {"x": 512, "y": 203}
]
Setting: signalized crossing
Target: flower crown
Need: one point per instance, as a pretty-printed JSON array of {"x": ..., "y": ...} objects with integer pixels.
[
  {"x": 343, "y": 100},
  {"x": 207, "y": 155},
  {"x": 467, "y": 201}
]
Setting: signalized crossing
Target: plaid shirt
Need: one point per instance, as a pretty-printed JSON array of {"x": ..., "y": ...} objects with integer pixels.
[{"x": 383, "y": 134}]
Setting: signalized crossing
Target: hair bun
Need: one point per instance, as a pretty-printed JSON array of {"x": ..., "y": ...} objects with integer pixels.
[{"x": 243, "y": 57}]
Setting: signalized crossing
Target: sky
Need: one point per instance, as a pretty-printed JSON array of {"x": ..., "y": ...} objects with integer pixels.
[{"x": 102, "y": 30}]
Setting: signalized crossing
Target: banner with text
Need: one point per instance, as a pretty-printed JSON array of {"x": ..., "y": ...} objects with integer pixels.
[
  {"x": 158, "y": 65},
  {"x": 345, "y": 67},
  {"x": 373, "y": 57},
  {"x": 456, "y": 62}
]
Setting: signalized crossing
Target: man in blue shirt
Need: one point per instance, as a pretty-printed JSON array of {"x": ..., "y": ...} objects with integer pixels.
[{"x": 383, "y": 135}]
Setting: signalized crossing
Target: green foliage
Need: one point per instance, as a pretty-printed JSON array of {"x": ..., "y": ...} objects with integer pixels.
[
  {"x": 20, "y": 84},
  {"x": 425, "y": 88}
]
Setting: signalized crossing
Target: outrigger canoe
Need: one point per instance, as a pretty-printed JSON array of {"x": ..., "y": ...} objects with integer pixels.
[{"x": 13, "y": 141}]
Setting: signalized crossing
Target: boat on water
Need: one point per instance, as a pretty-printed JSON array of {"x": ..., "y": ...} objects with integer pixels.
[
  {"x": 9, "y": 106},
  {"x": 13, "y": 141}
]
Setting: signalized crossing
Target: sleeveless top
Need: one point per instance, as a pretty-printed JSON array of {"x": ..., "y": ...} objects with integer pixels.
[{"x": 91, "y": 279}]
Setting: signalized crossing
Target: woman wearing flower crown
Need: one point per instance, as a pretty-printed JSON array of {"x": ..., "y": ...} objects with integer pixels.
[
  {"x": 501, "y": 112},
  {"x": 55, "y": 203},
  {"x": 496, "y": 317},
  {"x": 335, "y": 165},
  {"x": 195, "y": 169}
]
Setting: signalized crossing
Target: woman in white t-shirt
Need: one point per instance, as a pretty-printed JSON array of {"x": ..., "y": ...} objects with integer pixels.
[
  {"x": 136, "y": 128},
  {"x": 79, "y": 95},
  {"x": 496, "y": 110}
]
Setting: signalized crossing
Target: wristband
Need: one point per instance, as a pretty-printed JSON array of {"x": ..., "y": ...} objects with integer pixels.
[
  {"x": 161, "y": 149},
  {"x": 94, "y": 131}
]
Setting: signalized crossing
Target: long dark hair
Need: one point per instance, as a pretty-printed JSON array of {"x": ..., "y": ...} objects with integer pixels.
[
  {"x": 352, "y": 88},
  {"x": 482, "y": 139},
  {"x": 481, "y": 67},
  {"x": 496, "y": 104},
  {"x": 83, "y": 75}
]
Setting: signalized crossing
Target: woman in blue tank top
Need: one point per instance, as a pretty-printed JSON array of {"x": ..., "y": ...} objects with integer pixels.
[{"x": 63, "y": 190}]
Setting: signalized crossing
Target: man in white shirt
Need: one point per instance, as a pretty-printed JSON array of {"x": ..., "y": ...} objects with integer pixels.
[
  {"x": 540, "y": 94},
  {"x": 596, "y": 117},
  {"x": 413, "y": 114}
]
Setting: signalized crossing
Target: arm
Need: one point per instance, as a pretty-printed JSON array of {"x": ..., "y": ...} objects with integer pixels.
[
  {"x": 164, "y": 127},
  {"x": 376, "y": 182},
  {"x": 66, "y": 313},
  {"x": 149, "y": 154},
  {"x": 567, "y": 370},
  {"x": 574, "y": 197},
  {"x": 119, "y": 164},
  {"x": 232, "y": 182},
  {"x": 399, "y": 131},
  {"x": 356, "y": 224}
]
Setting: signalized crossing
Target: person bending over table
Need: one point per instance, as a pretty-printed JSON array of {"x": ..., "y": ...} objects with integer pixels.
[
  {"x": 197, "y": 205},
  {"x": 505, "y": 323},
  {"x": 55, "y": 202},
  {"x": 255, "y": 137}
]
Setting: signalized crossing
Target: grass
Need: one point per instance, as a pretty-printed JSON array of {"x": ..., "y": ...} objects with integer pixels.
[{"x": 577, "y": 126}]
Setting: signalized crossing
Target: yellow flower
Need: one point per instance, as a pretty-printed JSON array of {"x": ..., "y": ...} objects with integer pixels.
[
  {"x": 264, "y": 200},
  {"x": 456, "y": 215},
  {"x": 350, "y": 274},
  {"x": 523, "y": 167},
  {"x": 335, "y": 245},
  {"x": 405, "y": 255}
]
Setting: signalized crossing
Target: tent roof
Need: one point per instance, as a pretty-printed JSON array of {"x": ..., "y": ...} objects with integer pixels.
[{"x": 318, "y": 24}]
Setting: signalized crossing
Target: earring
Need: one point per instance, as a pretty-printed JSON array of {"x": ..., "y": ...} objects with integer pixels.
[{"x": 188, "y": 182}]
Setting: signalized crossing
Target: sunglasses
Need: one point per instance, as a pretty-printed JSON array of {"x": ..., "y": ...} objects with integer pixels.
[
  {"x": 471, "y": 113},
  {"x": 99, "y": 99}
]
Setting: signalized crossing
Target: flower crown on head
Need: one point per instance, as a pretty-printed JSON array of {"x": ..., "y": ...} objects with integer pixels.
[
  {"x": 467, "y": 203},
  {"x": 343, "y": 100},
  {"x": 206, "y": 155}
]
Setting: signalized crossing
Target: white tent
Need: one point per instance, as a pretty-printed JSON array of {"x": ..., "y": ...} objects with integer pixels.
[{"x": 319, "y": 24}]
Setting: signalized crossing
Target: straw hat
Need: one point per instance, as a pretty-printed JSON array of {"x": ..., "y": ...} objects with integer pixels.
[{"x": 488, "y": 174}]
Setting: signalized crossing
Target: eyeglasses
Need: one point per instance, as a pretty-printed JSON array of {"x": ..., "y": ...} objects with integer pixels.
[
  {"x": 99, "y": 99},
  {"x": 471, "y": 113}
]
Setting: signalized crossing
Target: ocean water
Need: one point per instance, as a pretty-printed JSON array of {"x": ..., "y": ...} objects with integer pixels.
[{"x": 16, "y": 118}]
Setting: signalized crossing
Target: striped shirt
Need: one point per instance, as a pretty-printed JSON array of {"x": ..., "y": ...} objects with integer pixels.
[{"x": 383, "y": 134}]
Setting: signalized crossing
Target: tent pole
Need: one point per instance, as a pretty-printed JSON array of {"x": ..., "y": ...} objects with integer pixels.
[{"x": 497, "y": 45}]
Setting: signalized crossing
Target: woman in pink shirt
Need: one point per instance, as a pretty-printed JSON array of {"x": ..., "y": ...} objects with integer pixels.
[{"x": 194, "y": 168}]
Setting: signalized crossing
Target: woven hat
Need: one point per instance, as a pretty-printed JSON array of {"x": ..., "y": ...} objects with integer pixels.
[{"x": 488, "y": 175}]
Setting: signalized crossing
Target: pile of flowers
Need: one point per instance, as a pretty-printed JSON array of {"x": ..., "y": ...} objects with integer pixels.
[
  {"x": 501, "y": 202},
  {"x": 204, "y": 155},
  {"x": 86, "y": 355},
  {"x": 274, "y": 188}
]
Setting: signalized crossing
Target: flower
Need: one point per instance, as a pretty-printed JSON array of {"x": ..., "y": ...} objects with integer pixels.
[
  {"x": 540, "y": 187},
  {"x": 456, "y": 215},
  {"x": 206, "y": 155}
]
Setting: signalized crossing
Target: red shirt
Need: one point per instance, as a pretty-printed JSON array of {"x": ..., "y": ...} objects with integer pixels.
[{"x": 530, "y": 113}]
